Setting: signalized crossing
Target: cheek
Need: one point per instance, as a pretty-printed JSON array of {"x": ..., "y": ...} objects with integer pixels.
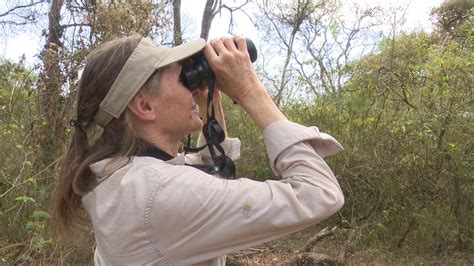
[
  {"x": 177, "y": 109},
  {"x": 175, "y": 103}
]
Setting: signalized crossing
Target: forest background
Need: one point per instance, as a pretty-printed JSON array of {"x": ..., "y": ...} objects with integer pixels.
[{"x": 400, "y": 103}]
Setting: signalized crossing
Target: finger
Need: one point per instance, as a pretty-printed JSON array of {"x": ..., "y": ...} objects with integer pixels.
[
  {"x": 229, "y": 43},
  {"x": 218, "y": 46},
  {"x": 241, "y": 43},
  {"x": 209, "y": 52}
]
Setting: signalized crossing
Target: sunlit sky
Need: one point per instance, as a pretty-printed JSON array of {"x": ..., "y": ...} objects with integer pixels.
[{"x": 417, "y": 17}]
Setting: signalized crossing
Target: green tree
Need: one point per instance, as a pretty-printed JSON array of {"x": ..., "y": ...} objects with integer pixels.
[
  {"x": 406, "y": 116},
  {"x": 20, "y": 196}
]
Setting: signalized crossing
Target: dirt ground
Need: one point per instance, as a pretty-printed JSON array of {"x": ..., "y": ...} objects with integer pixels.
[{"x": 283, "y": 250}]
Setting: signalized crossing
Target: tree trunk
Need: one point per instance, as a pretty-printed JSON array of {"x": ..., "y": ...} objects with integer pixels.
[
  {"x": 178, "y": 39},
  {"x": 51, "y": 131},
  {"x": 207, "y": 17}
]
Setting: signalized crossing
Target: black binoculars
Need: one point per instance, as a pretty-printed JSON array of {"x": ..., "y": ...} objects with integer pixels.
[{"x": 197, "y": 70}]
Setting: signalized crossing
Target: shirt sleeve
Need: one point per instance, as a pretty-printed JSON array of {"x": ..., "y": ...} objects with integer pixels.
[
  {"x": 231, "y": 147},
  {"x": 195, "y": 217}
]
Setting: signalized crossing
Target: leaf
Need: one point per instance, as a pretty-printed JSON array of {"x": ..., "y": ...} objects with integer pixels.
[
  {"x": 25, "y": 199},
  {"x": 40, "y": 214},
  {"x": 39, "y": 242},
  {"x": 31, "y": 226},
  {"x": 452, "y": 146},
  {"x": 24, "y": 258},
  {"x": 380, "y": 225}
]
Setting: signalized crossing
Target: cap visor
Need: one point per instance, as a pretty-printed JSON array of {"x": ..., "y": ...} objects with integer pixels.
[{"x": 182, "y": 51}]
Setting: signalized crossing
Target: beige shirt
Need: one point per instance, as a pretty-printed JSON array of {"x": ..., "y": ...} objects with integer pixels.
[{"x": 148, "y": 211}]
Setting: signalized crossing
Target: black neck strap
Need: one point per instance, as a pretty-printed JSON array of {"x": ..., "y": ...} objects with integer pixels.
[
  {"x": 214, "y": 135},
  {"x": 152, "y": 151},
  {"x": 155, "y": 152}
]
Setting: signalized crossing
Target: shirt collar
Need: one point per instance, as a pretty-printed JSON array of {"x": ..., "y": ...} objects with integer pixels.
[
  {"x": 107, "y": 167},
  {"x": 157, "y": 153}
]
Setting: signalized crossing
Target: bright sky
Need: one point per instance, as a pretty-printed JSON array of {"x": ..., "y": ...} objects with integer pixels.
[
  {"x": 418, "y": 14},
  {"x": 417, "y": 18}
]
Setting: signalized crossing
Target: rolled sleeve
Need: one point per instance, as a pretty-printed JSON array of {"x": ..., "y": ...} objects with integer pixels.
[{"x": 282, "y": 134}]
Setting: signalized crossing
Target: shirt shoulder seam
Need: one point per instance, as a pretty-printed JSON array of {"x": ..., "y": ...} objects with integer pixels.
[{"x": 147, "y": 219}]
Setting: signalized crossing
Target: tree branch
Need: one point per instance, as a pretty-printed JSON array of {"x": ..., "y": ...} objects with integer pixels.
[
  {"x": 350, "y": 238},
  {"x": 318, "y": 237},
  {"x": 75, "y": 25},
  {"x": 21, "y": 6},
  {"x": 310, "y": 259}
]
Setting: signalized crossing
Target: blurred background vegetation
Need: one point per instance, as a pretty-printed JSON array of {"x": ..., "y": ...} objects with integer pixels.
[{"x": 402, "y": 108}]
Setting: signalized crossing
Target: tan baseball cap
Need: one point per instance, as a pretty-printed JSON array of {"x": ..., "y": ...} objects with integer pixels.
[{"x": 144, "y": 61}]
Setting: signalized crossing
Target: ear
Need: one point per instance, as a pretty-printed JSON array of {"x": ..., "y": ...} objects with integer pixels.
[{"x": 142, "y": 107}]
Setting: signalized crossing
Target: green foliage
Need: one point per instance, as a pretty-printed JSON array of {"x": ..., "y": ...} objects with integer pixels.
[
  {"x": 23, "y": 195},
  {"x": 254, "y": 160},
  {"x": 455, "y": 19},
  {"x": 405, "y": 117}
]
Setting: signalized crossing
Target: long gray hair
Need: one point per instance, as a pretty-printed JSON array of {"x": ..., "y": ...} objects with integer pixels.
[{"x": 118, "y": 139}]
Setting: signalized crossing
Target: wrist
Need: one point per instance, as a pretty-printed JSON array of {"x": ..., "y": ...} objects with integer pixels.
[
  {"x": 260, "y": 106},
  {"x": 252, "y": 95}
]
